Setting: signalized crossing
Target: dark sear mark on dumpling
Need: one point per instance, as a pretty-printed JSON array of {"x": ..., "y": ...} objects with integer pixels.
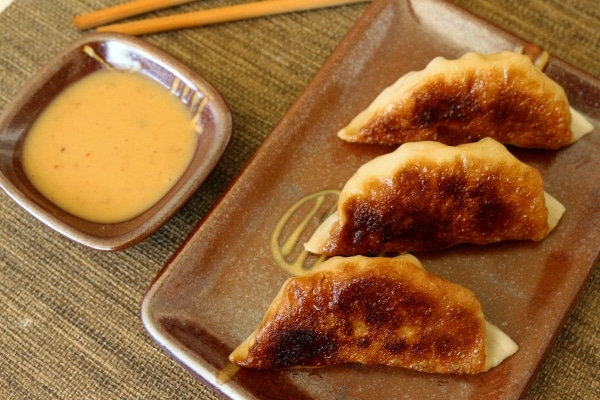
[
  {"x": 428, "y": 196},
  {"x": 379, "y": 310},
  {"x": 502, "y": 96}
]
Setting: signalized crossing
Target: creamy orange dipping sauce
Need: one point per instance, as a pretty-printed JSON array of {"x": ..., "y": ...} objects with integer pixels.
[{"x": 109, "y": 146}]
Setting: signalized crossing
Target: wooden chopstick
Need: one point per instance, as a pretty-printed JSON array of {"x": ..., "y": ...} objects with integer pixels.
[
  {"x": 222, "y": 14},
  {"x": 129, "y": 9}
]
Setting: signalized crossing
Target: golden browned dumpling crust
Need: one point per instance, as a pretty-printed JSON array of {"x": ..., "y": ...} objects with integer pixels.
[
  {"x": 429, "y": 196},
  {"x": 387, "y": 311},
  {"x": 503, "y": 96}
]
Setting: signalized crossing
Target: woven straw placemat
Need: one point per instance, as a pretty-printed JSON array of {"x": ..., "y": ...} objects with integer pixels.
[{"x": 69, "y": 324}]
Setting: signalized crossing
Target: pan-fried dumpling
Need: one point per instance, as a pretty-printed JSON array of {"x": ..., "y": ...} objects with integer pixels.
[
  {"x": 502, "y": 95},
  {"x": 386, "y": 311},
  {"x": 429, "y": 196}
]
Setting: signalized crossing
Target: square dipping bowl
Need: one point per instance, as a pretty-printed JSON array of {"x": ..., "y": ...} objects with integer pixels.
[{"x": 81, "y": 58}]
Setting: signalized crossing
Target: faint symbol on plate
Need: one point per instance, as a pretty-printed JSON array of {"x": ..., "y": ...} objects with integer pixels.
[
  {"x": 195, "y": 100},
  {"x": 296, "y": 226},
  {"x": 130, "y": 66},
  {"x": 538, "y": 56}
]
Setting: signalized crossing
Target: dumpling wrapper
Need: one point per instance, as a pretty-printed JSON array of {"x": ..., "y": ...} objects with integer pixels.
[
  {"x": 502, "y": 95},
  {"x": 375, "y": 311},
  {"x": 429, "y": 196}
]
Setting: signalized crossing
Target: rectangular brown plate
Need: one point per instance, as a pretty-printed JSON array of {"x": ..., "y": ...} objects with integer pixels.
[{"x": 214, "y": 291}]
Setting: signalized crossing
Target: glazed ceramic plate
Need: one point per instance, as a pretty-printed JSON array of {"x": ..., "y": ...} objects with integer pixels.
[
  {"x": 79, "y": 59},
  {"x": 214, "y": 291}
]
